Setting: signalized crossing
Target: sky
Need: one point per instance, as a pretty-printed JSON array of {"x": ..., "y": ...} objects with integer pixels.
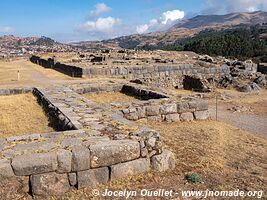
[{"x": 77, "y": 20}]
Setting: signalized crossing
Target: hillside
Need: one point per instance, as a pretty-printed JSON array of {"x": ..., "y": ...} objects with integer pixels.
[
  {"x": 183, "y": 29},
  {"x": 12, "y": 45}
]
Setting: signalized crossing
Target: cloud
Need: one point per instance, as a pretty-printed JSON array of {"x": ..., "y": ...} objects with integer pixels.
[
  {"x": 6, "y": 29},
  {"x": 102, "y": 25},
  {"x": 172, "y": 16},
  {"x": 165, "y": 20},
  {"x": 100, "y": 8},
  {"x": 227, "y": 6}
]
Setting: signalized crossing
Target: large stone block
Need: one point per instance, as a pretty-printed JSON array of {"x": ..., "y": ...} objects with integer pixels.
[
  {"x": 49, "y": 184},
  {"x": 113, "y": 152},
  {"x": 5, "y": 169},
  {"x": 201, "y": 115},
  {"x": 80, "y": 158},
  {"x": 92, "y": 177},
  {"x": 182, "y": 107},
  {"x": 34, "y": 163},
  {"x": 64, "y": 158},
  {"x": 187, "y": 117},
  {"x": 129, "y": 168},
  {"x": 163, "y": 161},
  {"x": 152, "y": 110},
  {"x": 202, "y": 105},
  {"x": 172, "y": 117},
  {"x": 168, "y": 109}
]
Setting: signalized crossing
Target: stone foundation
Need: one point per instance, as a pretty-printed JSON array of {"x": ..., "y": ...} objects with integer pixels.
[{"x": 104, "y": 146}]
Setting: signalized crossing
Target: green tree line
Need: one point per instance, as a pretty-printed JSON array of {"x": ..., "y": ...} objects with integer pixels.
[{"x": 241, "y": 43}]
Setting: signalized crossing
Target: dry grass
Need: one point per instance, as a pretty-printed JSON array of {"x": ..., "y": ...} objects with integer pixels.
[
  {"x": 30, "y": 74},
  {"x": 225, "y": 157},
  {"x": 21, "y": 114},
  {"x": 109, "y": 97}
]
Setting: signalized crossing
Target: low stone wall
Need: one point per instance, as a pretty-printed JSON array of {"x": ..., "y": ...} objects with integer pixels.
[
  {"x": 69, "y": 70},
  {"x": 131, "y": 72},
  {"x": 168, "y": 110},
  {"x": 100, "y": 151},
  {"x": 12, "y": 91}
]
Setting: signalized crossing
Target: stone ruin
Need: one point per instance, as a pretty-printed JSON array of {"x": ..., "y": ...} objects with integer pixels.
[{"x": 94, "y": 143}]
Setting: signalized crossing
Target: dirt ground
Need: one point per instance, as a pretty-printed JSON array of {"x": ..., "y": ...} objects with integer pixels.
[
  {"x": 21, "y": 114},
  {"x": 246, "y": 111},
  {"x": 225, "y": 157}
]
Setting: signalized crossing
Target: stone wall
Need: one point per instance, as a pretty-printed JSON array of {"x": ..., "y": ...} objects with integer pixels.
[
  {"x": 140, "y": 72},
  {"x": 169, "y": 110},
  {"x": 69, "y": 70},
  {"x": 11, "y": 91},
  {"x": 98, "y": 152}
]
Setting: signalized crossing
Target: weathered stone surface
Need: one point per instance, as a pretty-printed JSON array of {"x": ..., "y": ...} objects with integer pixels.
[
  {"x": 68, "y": 142},
  {"x": 34, "y": 163},
  {"x": 141, "y": 112},
  {"x": 72, "y": 179},
  {"x": 202, "y": 105},
  {"x": 41, "y": 146},
  {"x": 152, "y": 110},
  {"x": 49, "y": 184},
  {"x": 182, "y": 107},
  {"x": 201, "y": 115},
  {"x": 80, "y": 158},
  {"x": 5, "y": 169},
  {"x": 163, "y": 161},
  {"x": 64, "y": 158},
  {"x": 187, "y": 116},
  {"x": 168, "y": 109},
  {"x": 112, "y": 152},
  {"x": 129, "y": 168},
  {"x": 24, "y": 138},
  {"x": 173, "y": 117},
  {"x": 155, "y": 118},
  {"x": 92, "y": 177}
]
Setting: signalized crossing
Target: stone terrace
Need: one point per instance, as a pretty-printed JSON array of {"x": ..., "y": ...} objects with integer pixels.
[{"x": 95, "y": 145}]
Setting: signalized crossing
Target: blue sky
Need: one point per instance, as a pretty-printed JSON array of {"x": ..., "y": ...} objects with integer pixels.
[{"x": 74, "y": 20}]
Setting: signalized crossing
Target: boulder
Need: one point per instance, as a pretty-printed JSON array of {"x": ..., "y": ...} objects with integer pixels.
[{"x": 163, "y": 161}]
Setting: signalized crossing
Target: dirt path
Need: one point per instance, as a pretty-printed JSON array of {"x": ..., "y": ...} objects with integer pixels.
[{"x": 250, "y": 122}]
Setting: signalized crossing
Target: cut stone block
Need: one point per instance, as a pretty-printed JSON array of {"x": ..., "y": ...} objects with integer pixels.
[
  {"x": 35, "y": 163},
  {"x": 168, "y": 109},
  {"x": 5, "y": 169},
  {"x": 129, "y": 168},
  {"x": 64, "y": 158},
  {"x": 92, "y": 177},
  {"x": 201, "y": 115},
  {"x": 49, "y": 184},
  {"x": 113, "y": 152},
  {"x": 80, "y": 158},
  {"x": 182, "y": 107},
  {"x": 72, "y": 179},
  {"x": 152, "y": 110},
  {"x": 187, "y": 117},
  {"x": 163, "y": 161},
  {"x": 173, "y": 117}
]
